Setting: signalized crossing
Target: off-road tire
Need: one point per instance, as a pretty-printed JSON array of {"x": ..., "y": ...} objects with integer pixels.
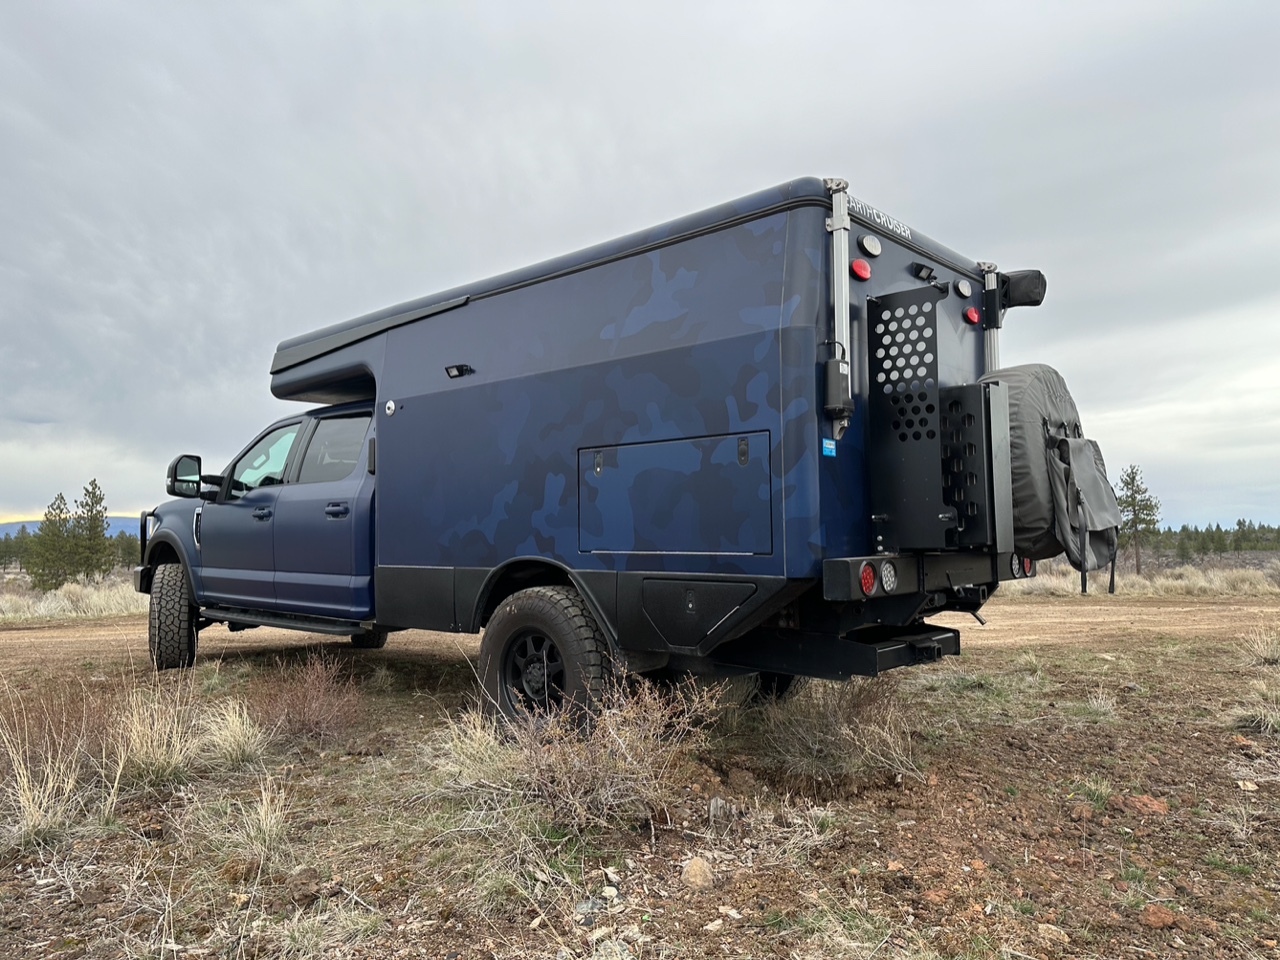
[
  {"x": 171, "y": 629},
  {"x": 776, "y": 687},
  {"x": 533, "y": 619},
  {"x": 374, "y": 639}
]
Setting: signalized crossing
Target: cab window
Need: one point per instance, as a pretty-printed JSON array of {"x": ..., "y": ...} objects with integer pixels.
[
  {"x": 263, "y": 464},
  {"x": 334, "y": 449}
]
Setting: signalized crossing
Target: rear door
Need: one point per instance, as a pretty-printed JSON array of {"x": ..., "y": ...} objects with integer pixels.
[
  {"x": 324, "y": 523},
  {"x": 237, "y": 532}
]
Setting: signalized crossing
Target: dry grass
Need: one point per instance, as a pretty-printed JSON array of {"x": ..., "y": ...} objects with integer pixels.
[
  {"x": 230, "y": 737},
  {"x": 1059, "y": 579},
  {"x": 836, "y": 734},
  {"x": 1260, "y": 713},
  {"x": 1261, "y": 647},
  {"x": 43, "y": 768},
  {"x": 72, "y": 600},
  {"x": 517, "y": 805},
  {"x": 69, "y": 753},
  {"x": 621, "y": 769},
  {"x": 156, "y": 737}
]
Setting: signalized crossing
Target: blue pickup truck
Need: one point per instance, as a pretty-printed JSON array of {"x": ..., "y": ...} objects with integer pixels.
[{"x": 769, "y": 437}]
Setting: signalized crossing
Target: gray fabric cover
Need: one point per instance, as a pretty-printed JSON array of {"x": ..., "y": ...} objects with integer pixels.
[{"x": 1060, "y": 485}]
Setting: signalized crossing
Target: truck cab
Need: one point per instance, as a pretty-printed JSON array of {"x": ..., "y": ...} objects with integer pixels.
[{"x": 282, "y": 535}]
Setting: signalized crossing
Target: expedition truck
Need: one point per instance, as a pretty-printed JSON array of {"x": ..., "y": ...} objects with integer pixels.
[{"x": 766, "y": 438}]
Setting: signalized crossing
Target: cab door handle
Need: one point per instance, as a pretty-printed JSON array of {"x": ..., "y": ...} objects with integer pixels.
[
  {"x": 262, "y": 513},
  {"x": 337, "y": 510}
]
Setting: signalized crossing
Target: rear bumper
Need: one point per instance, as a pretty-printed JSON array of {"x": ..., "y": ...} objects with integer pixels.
[{"x": 917, "y": 574}]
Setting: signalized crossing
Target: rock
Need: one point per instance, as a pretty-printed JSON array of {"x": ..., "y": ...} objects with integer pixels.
[
  {"x": 1082, "y": 811},
  {"x": 609, "y": 893},
  {"x": 303, "y": 886},
  {"x": 1051, "y": 933},
  {"x": 611, "y": 950},
  {"x": 719, "y": 812},
  {"x": 697, "y": 875},
  {"x": 714, "y": 925},
  {"x": 743, "y": 782},
  {"x": 1157, "y": 917},
  {"x": 1147, "y": 806}
]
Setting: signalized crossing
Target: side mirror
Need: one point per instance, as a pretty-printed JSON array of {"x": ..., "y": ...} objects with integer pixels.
[
  {"x": 1022, "y": 288},
  {"x": 183, "y": 479}
]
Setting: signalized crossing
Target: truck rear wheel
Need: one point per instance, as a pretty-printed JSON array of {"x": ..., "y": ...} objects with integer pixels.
[
  {"x": 171, "y": 628},
  {"x": 542, "y": 650},
  {"x": 374, "y": 639}
]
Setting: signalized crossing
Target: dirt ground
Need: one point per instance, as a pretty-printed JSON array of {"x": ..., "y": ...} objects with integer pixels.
[{"x": 1084, "y": 793}]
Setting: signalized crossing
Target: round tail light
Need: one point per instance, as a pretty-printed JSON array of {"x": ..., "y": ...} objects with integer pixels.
[
  {"x": 868, "y": 579},
  {"x": 972, "y": 316},
  {"x": 889, "y": 576}
]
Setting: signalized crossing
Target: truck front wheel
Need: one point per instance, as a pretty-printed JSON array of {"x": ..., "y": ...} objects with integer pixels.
[
  {"x": 374, "y": 639},
  {"x": 542, "y": 650},
  {"x": 171, "y": 630}
]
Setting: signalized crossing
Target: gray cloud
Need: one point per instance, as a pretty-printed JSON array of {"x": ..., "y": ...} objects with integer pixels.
[{"x": 184, "y": 186}]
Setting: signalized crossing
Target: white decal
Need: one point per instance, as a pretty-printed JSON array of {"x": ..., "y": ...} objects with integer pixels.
[{"x": 868, "y": 212}]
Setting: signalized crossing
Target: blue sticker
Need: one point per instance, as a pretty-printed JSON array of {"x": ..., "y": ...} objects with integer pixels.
[{"x": 828, "y": 448}]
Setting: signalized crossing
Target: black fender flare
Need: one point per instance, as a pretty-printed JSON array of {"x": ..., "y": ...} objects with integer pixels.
[
  {"x": 597, "y": 588},
  {"x": 171, "y": 540}
]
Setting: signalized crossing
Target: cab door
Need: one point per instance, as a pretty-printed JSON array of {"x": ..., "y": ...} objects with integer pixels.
[
  {"x": 324, "y": 523},
  {"x": 237, "y": 531}
]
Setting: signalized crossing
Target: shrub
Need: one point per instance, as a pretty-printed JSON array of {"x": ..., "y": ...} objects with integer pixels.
[
  {"x": 837, "y": 733},
  {"x": 311, "y": 699}
]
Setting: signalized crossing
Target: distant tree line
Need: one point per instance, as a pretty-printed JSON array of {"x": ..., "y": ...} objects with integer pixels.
[{"x": 71, "y": 543}]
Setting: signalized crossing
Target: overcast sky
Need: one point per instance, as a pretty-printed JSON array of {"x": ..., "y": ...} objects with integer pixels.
[{"x": 184, "y": 185}]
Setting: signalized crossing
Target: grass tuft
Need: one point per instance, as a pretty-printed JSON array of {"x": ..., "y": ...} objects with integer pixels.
[
  {"x": 1260, "y": 713},
  {"x": 230, "y": 737},
  {"x": 1262, "y": 647},
  {"x": 156, "y": 737}
]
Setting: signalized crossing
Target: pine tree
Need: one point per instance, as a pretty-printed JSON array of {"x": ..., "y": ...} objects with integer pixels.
[
  {"x": 126, "y": 548},
  {"x": 94, "y": 553},
  {"x": 1139, "y": 512},
  {"x": 22, "y": 547},
  {"x": 52, "y": 560},
  {"x": 7, "y": 551},
  {"x": 1185, "y": 546}
]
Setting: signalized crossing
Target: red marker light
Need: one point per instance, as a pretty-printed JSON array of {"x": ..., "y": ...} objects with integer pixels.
[
  {"x": 972, "y": 315},
  {"x": 861, "y": 269},
  {"x": 867, "y": 576}
]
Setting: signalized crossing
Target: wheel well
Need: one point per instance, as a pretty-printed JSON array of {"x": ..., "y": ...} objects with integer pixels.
[
  {"x": 516, "y": 577},
  {"x": 162, "y": 553}
]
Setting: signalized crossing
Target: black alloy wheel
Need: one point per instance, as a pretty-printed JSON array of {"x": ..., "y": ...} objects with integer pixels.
[
  {"x": 533, "y": 671},
  {"x": 542, "y": 650}
]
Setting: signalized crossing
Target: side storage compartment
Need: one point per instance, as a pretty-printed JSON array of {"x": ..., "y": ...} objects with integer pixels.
[{"x": 710, "y": 495}]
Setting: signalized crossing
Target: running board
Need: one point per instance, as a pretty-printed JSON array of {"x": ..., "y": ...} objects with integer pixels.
[{"x": 256, "y": 618}]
